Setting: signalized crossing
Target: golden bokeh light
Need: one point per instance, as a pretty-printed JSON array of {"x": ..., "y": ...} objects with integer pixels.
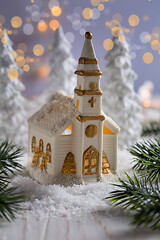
[
  {"x": 121, "y": 38},
  {"x": 42, "y": 26},
  {"x": 4, "y": 39},
  {"x": 26, "y": 67},
  {"x": 101, "y": 7},
  {"x": 155, "y": 45},
  {"x": 54, "y": 24},
  {"x": 14, "y": 54},
  {"x": 22, "y": 46},
  {"x": 44, "y": 71},
  {"x": 118, "y": 17},
  {"x": 145, "y": 18},
  {"x": 16, "y": 22},
  {"x": 56, "y": 11},
  {"x": 147, "y": 103},
  {"x": 9, "y": 32},
  {"x": 87, "y": 13},
  {"x": 108, "y": 44},
  {"x": 20, "y": 52},
  {"x": 2, "y": 19},
  {"x": 133, "y": 20},
  {"x": 12, "y": 74},
  {"x": 31, "y": 60},
  {"x": 148, "y": 57},
  {"x": 115, "y": 31},
  {"x": 20, "y": 60},
  {"x": 95, "y": 2},
  {"x": 38, "y": 50}
]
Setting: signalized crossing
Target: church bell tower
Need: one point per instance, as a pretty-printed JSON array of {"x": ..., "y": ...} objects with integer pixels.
[{"x": 89, "y": 121}]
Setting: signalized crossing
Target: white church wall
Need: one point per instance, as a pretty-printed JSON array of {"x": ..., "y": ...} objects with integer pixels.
[{"x": 110, "y": 148}]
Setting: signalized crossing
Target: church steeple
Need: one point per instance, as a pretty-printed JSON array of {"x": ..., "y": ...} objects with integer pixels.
[{"x": 88, "y": 57}]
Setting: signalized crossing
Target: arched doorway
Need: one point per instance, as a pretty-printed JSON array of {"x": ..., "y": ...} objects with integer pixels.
[
  {"x": 90, "y": 161},
  {"x": 105, "y": 164},
  {"x": 69, "y": 166}
]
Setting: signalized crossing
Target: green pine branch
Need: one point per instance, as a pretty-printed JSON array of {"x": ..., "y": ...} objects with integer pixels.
[
  {"x": 147, "y": 158},
  {"x": 10, "y": 198},
  {"x": 140, "y": 197},
  {"x": 151, "y": 129}
]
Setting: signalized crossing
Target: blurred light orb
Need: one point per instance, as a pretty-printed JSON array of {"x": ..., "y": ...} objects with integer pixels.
[
  {"x": 115, "y": 31},
  {"x": 16, "y": 22},
  {"x": 14, "y": 54},
  {"x": 87, "y": 13},
  {"x": 2, "y": 19},
  {"x": 31, "y": 60},
  {"x": 101, "y": 7},
  {"x": 70, "y": 37},
  {"x": 122, "y": 38},
  {"x": 118, "y": 17},
  {"x": 38, "y": 50},
  {"x": 12, "y": 74},
  {"x": 108, "y": 44},
  {"x": 145, "y": 18},
  {"x": 56, "y": 11},
  {"x": 133, "y": 20},
  {"x": 28, "y": 29},
  {"x": 20, "y": 52},
  {"x": 9, "y": 32},
  {"x": 22, "y": 46},
  {"x": 155, "y": 45},
  {"x": 42, "y": 26},
  {"x": 82, "y": 31},
  {"x": 156, "y": 30},
  {"x": 95, "y": 2},
  {"x": 144, "y": 37},
  {"x": 76, "y": 24},
  {"x": 26, "y": 67},
  {"x": 4, "y": 39},
  {"x": 96, "y": 13},
  {"x": 36, "y": 16},
  {"x": 44, "y": 71},
  {"x": 53, "y": 3},
  {"x": 54, "y": 24},
  {"x": 148, "y": 57},
  {"x": 20, "y": 60}
]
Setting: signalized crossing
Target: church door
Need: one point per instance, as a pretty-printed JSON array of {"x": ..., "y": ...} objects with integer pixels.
[
  {"x": 90, "y": 161},
  {"x": 69, "y": 166}
]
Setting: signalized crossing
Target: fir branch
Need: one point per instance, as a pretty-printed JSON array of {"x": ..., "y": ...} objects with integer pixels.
[
  {"x": 10, "y": 198},
  {"x": 141, "y": 198},
  {"x": 151, "y": 128},
  {"x": 147, "y": 158}
]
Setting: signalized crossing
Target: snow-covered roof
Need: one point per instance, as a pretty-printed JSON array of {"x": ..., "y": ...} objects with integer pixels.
[
  {"x": 56, "y": 114},
  {"x": 108, "y": 122}
]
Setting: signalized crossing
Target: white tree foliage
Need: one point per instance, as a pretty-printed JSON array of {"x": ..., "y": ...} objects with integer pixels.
[
  {"x": 62, "y": 64},
  {"x": 120, "y": 101},
  {"x": 13, "y": 123}
]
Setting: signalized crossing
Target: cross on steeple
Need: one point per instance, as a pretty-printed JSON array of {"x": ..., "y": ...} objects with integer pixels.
[{"x": 92, "y": 102}]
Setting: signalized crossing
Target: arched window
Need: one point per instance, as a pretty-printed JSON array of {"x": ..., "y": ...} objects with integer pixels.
[
  {"x": 48, "y": 152},
  {"x": 41, "y": 147},
  {"x": 90, "y": 161},
  {"x": 105, "y": 164},
  {"x": 33, "y": 145}
]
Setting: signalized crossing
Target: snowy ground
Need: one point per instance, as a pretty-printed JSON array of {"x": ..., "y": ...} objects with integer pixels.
[{"x": 77, "y": 212}]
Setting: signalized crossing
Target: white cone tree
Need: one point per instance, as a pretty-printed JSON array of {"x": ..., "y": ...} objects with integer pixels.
[
  {"x": 120, "y": 101},
  {"x": 62, "y": 65},
  {"x": 13, "y": 123}
]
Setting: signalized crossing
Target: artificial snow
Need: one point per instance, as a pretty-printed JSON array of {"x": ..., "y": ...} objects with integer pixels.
[{"x": 59, "y": 200}]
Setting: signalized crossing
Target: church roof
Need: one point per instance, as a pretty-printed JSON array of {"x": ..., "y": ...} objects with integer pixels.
[{"x": 56, "y": 114}]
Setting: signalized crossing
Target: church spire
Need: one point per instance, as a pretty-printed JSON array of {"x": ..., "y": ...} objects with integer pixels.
[{"x": 88, "y": 63}]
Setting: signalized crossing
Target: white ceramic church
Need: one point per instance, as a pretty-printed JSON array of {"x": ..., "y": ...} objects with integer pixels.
[{"x": 72, "y": 135}]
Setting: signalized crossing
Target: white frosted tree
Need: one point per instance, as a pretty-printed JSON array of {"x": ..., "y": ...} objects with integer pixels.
[
  {"x": 62, "y": 65},
  {"x": 13, "y": 123},
  {"x": 120, "y": 101}
]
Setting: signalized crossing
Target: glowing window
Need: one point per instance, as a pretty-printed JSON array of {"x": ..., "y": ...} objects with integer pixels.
[
  {"x": 107, "y": 130},
  {"x": 33, "y": 144},
  {"x": 40, "y": 147},
  {"x": 48, "y": 152},
  {"x": 67, "y": 131}
]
